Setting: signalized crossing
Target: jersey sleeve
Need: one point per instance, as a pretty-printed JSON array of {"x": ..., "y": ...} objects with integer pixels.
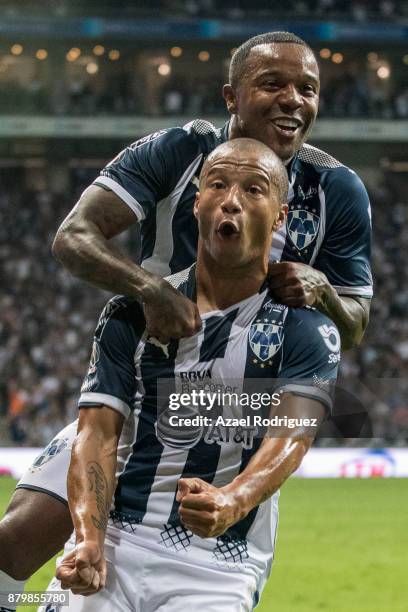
[
  {"x": 111, "y": 376},
  {"x": 346, "y": 250},
  {"x": 311, "y": 356},
  {"x": 149, "y": 170}
]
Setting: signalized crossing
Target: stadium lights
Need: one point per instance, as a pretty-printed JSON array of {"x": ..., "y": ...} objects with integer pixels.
[
  {"x": 41, "y": 54},
  {"x": 325, "y": 53},
  {"x": 337, "y": 58},
  {"x": 98, "y": 50},
  {"x": 73, "y": 54},
  {"x": 16, "y": 49},
  {"x": 92, "y": 68},
  {"x": 176, "y": 51},
  {"x": 203, "y": 56},
  {"x": 164, "y": 69},
  {"x": 383, "y": 72},
  {"x": 114, "y": 55}
]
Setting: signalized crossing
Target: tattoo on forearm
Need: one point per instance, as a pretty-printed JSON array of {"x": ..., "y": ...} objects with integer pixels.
[{"x": 99, "y": 485}]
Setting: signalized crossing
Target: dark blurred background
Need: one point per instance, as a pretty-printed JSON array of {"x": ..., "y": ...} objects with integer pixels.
[{"x": 81, "y": 79}]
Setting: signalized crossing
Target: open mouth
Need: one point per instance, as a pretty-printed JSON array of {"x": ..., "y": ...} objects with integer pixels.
[
  {"x": 228, "y": 228},
  {"x": 288, "y": 127}
]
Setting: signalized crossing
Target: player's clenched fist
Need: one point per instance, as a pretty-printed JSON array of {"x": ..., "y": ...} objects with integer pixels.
[
  {"x": 204, "y": 509},
  {"x": 295, "y": 284},
  {"x": 83, "y": 570},
  {"x": 169, "y": 314}
]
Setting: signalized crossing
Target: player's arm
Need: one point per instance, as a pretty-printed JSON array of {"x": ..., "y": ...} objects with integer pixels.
[
  {"x": 106, "y": 399},
  {"x": 297, "y": 285},
  {"x": 83, "y": 246},
  {"x": 91, "y": 483},
  {"x": 340, "y": 282},
  {"x": 127, "y": 192},
  {"x": 209, "y": 512},
  {"x": 310, "y": 357}
]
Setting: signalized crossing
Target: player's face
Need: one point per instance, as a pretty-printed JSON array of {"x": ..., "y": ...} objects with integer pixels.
[
  {"x": 277, "y": 98},
  {"x": 237, "y": 209}
]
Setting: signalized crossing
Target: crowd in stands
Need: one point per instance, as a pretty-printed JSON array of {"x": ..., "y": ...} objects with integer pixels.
[
  {"x": 47, "y": 319},
  {"x": 357, "y": 10},
  {"x": 350, "y": 95}
]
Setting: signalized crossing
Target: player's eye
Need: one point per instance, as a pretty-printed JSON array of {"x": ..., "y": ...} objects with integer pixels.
[
  {"x": 217, "y": 185},
  {"x": 254, "y": 190},
  {"x": 270, "y": 85},
  {"x": 309, "y": 89}
]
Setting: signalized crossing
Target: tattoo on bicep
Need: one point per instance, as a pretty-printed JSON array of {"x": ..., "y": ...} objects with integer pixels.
[{"x": 99, "y": 485}]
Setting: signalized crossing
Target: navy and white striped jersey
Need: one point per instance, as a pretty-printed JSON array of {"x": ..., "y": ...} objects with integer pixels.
[
  {"x": 256, "y": 339},
  {"x": 328, "y": 224}
]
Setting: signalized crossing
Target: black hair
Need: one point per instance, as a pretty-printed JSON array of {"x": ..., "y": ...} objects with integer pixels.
[{"x": 238, "y": 60}]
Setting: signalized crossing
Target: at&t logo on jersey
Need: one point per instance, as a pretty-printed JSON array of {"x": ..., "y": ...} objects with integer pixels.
[{"x": 303, "y": 226}]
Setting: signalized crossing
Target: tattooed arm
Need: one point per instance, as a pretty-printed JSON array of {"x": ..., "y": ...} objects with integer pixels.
[
  {"x": 91, "y": 483},
  {"x": 83, "y": 245}
]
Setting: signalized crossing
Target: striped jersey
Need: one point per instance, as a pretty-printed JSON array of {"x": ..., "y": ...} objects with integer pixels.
[
  {"x": 242, "y": 349},
  {"x": 328, "y": 224}
]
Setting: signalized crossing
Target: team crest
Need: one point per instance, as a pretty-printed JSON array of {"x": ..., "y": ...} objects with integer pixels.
[
  {"x": 303, "y": 226},
  {"x": 265, "y": 339},
  {"x": 54, "y": 448}
]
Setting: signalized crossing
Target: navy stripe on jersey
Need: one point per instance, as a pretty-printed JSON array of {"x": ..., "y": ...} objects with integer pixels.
[
  {"x": 216, "y": 334},
  {"x": 135, "y": 483},
  {"x": 268, "y": 314}
]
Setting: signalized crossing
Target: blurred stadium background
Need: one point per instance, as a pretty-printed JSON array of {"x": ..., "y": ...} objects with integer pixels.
[{"x": 81, "y": 79}]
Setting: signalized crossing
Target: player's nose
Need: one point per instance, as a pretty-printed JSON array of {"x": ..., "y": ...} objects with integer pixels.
[
  {"x": 290, "y": 98},
  {"x": 232, "y": 201}
]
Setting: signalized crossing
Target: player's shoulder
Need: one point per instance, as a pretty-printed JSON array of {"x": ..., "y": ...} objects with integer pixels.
[
  {"x": 309, "y": 327},
  {"x": 183, "y": 281},
  {"x": 205, "y": 133},
  {"x": 198, "y": 135},
  {"x": 121, "y": 309},
  {"x": 333, "y": 172}
]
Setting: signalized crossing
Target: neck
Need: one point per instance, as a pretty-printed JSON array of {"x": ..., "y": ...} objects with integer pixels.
[
  {"x": 219, "y": 287},
  {"x": 235, "y": 131}
]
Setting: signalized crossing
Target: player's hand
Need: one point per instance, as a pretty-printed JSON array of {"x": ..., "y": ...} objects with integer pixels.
[
  {"x": 169, "y": 314},
  {"x": 296, "y": 284},
  {"x": 83, "y": 570},
  {"x": 204, "y": 509}
]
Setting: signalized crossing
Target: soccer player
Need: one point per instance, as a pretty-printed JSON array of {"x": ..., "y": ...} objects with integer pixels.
[
  {"x": 324, "y": 247},
  {"x": 195, "y": 513}
]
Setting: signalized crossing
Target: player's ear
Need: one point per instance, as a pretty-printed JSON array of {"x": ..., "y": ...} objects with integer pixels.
[
  {"x": 230, "y": 98},
  {"x": 196, "y": 204},
  {"x": 280, "y": 218}
]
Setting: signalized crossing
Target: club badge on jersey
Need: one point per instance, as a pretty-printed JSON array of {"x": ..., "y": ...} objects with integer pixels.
[
  {"x": 54, "y": 448},
  {"x": 265, "y": 339},
  {"x": 303, "y": 226}
]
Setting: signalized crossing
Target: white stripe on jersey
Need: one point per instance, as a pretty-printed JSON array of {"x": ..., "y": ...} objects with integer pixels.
[
  {"x": 122, "y": 194},
  {"x": 224, "y": 369},
  {"x": 365, "y": 291},
  {"x": 322, "y": 226},
  {"x": 159, "y": 262}
]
